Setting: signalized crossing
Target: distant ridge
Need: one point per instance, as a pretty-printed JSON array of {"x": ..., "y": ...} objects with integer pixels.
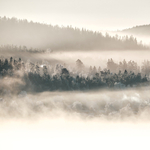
[
  {"x": 143, "y": 30},
  {"x": 43, "y": 36}
]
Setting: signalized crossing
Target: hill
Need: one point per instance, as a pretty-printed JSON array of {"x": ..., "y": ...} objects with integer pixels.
[
  {"x": 143, "y": 30},
  {"x": 43, "y": 36}
]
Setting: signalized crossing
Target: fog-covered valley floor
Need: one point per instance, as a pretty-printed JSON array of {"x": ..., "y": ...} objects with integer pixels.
[{"x": 76, "y": 119}]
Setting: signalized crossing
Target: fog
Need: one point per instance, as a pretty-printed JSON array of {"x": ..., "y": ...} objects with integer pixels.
[
  {"x": 130, "y": 104},
  {"x": 94, "y": 58}
]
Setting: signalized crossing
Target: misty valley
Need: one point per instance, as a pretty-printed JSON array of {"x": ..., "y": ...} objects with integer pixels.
[
  {"x": 74, "y": 75},
  {"x": 58, "y": 87},
  {"x": 54, "y": 71}
]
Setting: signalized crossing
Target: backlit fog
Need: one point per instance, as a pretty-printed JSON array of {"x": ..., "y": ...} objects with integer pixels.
[{"x": 72, "y": 88}]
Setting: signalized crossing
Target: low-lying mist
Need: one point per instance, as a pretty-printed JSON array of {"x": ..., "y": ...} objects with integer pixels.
[
  {"x": 122, "y": 105},
  {"x": 94, "y": 58},
  {"x": 92, "y": 119}
]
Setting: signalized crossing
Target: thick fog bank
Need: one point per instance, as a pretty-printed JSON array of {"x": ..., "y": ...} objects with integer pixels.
[
  {"x": 122, "y": 105},
  {"x": 75, "y": 120},
  {"x": 63, "y": 134}
]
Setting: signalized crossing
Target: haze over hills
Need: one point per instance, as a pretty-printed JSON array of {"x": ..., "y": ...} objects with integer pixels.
[{"x": 43, "y": 36}]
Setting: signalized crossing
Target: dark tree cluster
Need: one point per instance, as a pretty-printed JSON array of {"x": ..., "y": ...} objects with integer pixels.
[
  {"x": 43, "y": 36},
  {"x": 7, "y": 67},
  {"x": 40, "y": 78}
]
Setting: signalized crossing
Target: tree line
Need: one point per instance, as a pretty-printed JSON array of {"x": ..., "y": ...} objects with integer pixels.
[
  {"x": 38, "y": 77},
  {"x": 15, "y": 48}
]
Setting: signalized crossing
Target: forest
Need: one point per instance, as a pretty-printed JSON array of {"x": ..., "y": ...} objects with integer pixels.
[
  {"x": 32, "y": 35},
  {"x": 37, "y": 77}
]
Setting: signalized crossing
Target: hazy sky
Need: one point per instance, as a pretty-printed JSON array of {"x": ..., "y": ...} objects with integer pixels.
[{"x": 90, "y": 14}]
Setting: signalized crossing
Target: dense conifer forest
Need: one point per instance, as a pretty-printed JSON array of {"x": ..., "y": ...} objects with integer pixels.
[{"x": 38, "y": 77}]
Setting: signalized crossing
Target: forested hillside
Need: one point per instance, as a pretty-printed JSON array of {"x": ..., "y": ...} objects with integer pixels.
[{"x": 43, "y": 36}]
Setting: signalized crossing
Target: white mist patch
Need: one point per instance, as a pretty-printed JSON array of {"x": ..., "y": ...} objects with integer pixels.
[{"x": 73, "y": 134}]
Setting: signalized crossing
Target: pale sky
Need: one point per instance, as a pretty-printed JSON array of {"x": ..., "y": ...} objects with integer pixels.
[{"x": 89, "y": 14}]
